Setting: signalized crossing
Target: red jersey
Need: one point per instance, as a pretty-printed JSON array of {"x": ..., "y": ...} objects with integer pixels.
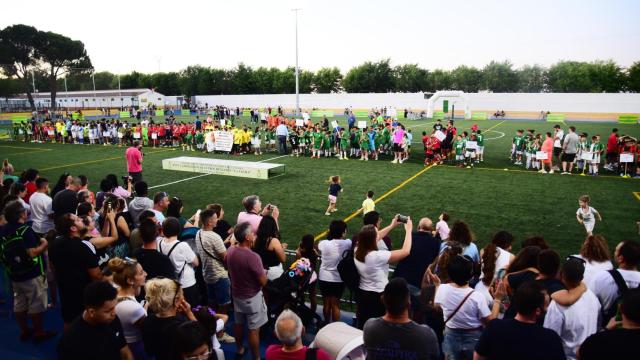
[{"x": 612, "y": 143}]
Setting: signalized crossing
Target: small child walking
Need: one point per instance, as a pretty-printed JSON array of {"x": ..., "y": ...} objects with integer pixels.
[
  {"x": 306, "y": 249},
  {"x": 334, "y": 189},
  {"x": 586, "y": 215}
]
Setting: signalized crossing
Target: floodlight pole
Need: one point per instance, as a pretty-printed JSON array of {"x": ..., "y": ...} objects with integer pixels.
[{"x": 297, "y": 112}]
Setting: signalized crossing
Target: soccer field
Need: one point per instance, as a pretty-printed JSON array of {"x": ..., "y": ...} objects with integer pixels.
[{"x": 487, "y": 197}]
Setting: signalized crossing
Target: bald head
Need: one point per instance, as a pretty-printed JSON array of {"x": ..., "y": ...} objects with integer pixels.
[
  {"x": 289, "y": 328},
  {"x": 425, "y": 224}
]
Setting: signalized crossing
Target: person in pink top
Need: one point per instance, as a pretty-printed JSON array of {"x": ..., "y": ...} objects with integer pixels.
[
  {"x": 134, "y": 162},
  {"x": 547, "y": 146},
  {"x": 398, "y": 136},
  {"x": 289, "y": 330},
  {"x": 253, "y": 211}
]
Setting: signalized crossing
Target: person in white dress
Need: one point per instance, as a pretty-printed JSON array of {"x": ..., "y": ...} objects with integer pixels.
[
  {"x": 586, "y": 215},
  {"x": 595, "y": 253}
]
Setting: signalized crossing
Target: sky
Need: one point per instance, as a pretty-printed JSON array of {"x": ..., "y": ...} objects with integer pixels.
[{"x": 149, "y": 36}]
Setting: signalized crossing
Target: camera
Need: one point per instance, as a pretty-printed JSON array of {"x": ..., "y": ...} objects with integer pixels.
[
  {"x": 402, "y": 218},
  {"x": 126, "y": 179}
]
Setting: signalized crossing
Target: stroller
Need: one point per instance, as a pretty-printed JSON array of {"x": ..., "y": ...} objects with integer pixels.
[{"x": 287, "y": 292}]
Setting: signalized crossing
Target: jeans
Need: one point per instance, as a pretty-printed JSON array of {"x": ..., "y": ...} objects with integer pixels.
[
  {"x": 282, "y": 144},
  {"x": 460, "y": 344}
]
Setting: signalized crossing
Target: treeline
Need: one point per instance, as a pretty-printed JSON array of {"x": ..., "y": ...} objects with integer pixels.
[{"x": 564, "y": 76}]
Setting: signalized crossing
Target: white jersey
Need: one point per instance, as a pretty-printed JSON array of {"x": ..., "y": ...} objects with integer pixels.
[{"x": 588, "y": 215}]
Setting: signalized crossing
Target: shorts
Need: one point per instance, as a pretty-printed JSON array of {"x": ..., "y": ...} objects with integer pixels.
[
  {"x": 272, "y": 142},
  {"x": 252, "y": 311},
  {"x": 397, "y": 147},
  {"x": 612, "y": 156},
  {"x": 480, "y": 150},
  {"x": 459, "y": 157},
  {"x": 332, "y": 199},
  {"x": 30, "y": 296},
  {"x": 329, "y": 288},
  {"x": 557, "y": 151},
  {"x": 459, "y": 344},
  {"x": 470, "y": 154},
  {"x": 429, "y": 156},
  {"x": 220, "y": 291},
  {"x": 568, "y": 157},
  {"x": 518, "y": 152}
]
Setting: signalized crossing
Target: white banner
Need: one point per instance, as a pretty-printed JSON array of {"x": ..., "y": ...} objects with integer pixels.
[
  {"x": 440, "y": 135},
  {"x": 300, "y": 122},
  {"x": 223, "y": 122},
  {"x": 136, "y": 135},
  {"x": 223, "y": 140},
  {"x": 541, "y": 155},
  {"x": 334, "y": 124},
  {"x": 471, "y": 145},
  {"x": 154, "y": 136},
  {"x": 362, "y": 124},
  {"x": 106, "y": 134},
  {"x": 626, "y": 157},
  {"x": 588, "y": 156}
]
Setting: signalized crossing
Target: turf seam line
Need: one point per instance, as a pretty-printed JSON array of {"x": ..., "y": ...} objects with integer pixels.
[
  {"x": 637, "y": 195},
  {"x": 385, "y": 195}
]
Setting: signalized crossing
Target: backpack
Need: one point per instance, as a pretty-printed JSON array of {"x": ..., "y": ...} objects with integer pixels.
[
  {"x": 622, "y": 289},
  {"x": 348, "y": 271},
  {"x": 14, "y": 256}
]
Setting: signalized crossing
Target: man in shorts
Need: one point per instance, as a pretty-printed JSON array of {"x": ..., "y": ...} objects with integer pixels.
[
  {"x": 249, "y": 276},
  {"x": 569, "y": 150}
]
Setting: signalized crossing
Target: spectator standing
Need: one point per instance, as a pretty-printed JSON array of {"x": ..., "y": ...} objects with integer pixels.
[
  {"x": 248, "y": 275},
  {"x": 461, "y": 234},
  {"x": 29, "y": 179},
  {"x": 612, "y": 150},
  {"x": 424, "y": 249},
  {"x": 97, "y": 334},
  {"x": 41, "y": 208},
  {"x": 154, "y": 263},
  {"x": 289, "y": 331},
  {"x": 21, "y": 252},
  {"x": 373, "y": 267},
  {"x": 331, "y": 252},
  {"x": 495, "y": 259},
  {"x": 191, "y": 341},
  {"x": 576, "y": 322},
  {"x": 212, "y": 252},
  {"x": 222, "y": 228},
  {"x": 160, "y": 205},
  {"x": 75, "y": 265},
  {"x": 394, "y": 335},
  {"x": 253, "y": 212},
  {"x": 617, "y": 342},
  {"x": 569, "y": 150},
  {"x": 269, "y": 247},
  {"x": 282, "y": 132},
  {"x": 183, "y": 258},
  {"x": 521, "y": 337},
  {"x": 134, "y": 161},
  {"x": 558, "y": 137},
  {"x": 140, "y": 201},
  {"x": 66, "y": 201},
  {"x": 595, "y": 253}
]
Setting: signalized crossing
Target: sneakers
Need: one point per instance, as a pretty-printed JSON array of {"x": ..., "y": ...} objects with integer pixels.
[
  {"x": 395, "y": 161},
  {"x": 543, "y": 171},
  {"x": 327, "y": 213},
  {"x": 334, "y": 210},
  {"x": 227, "y": 339},
  {"x": 565, "y": 173},
  {"x": 551, "y": 171}
]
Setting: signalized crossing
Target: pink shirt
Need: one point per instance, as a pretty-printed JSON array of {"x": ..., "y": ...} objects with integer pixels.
[
  {"x": 275, "y": 352},
  {"x": 398, "y": 135},
  {"x": 134, "y": 160},
  {"x": 442, "y": 228},
  {"x": 251, "y": 218}
]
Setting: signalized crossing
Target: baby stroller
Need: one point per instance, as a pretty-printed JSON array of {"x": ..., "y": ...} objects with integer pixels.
[{"x": 287, "y": 292}]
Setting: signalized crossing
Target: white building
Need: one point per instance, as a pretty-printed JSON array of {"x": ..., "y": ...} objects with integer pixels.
[{"x": 142, "y": 98}]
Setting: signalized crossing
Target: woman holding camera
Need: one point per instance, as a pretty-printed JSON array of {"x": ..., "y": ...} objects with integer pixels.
[{"x": 373, "y": 267}]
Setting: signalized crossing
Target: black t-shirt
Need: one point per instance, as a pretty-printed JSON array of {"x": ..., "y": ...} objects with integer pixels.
[
  {"x": 386, "y": 340},
  {"x": 515, "y": 280},
  {"x": 66, "y": 201},
  {"x": 158, "y": 334},
  {"x": 511, "y": 339},
  {"x": 611, "y": 344},
  {"x": 424, "y": 249},
  {"x": 154, "y": 263},
  {"x": 84, "y": 341},
  {"x": 71, "y": 260},
  {"x": 222, "y": 229},
  {"x": 30, "y": 240},
  {"x": 552, "y": 285},
  {"x": 334, "y": 189}
]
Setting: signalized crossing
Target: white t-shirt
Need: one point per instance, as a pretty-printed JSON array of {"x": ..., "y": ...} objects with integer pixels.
[
  {"x": 588, "y": 215},
  {"x": 470, "y": 314},
  {"x": 129, "y": 311},
  {"x": 574, "y": 323},
  {"x": 484, "y": 290},
  {"x": 214, "y": 339},
  {"x": 40, "y": 210},
  {"x": 558, "y": 139},
  {"x": 159, "y": 216},
  {"x": 374, "y": 272},
  {"x": 591, "y": 268},
  {"x": 330, "y": 255},
  {"x": 606, "y": 289},
  {"x": 181, "y": 257},
  {"x": 442, "y": 228}
]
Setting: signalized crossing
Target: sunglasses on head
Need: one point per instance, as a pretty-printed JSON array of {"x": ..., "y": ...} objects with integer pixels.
[{"x": 575, "y": 258}]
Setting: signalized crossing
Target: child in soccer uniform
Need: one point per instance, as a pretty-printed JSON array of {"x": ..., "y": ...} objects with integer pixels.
[
  {"x": 271, "y": 135},
  {"x": 188, "y": 141},
  {"x": 470, "y": 154},
  {"x": 363, "y": 143},
  {"x": 294, "y": 140},
  {"x": 334, "y": 189},
  {"x": 344, "y": 144},
  {"x": 428, "y": 148},
  {"x": 355, "y": 143},
  {"x": 327, "y": 143},
  {"x": 529, "y": 152},
  {"x": 318, "y": 139},
  {"x": 518, "y": 144},
  {"x": 200, "y": 140},
  {"x": 586, "y": 215},
  {"x": 480, "y": 149},
  {"x": 458, "y": 146},
  {"x": 535, "y": 147},
  {"x": 583, "y": 148},
  {"x": 373, "y": 152},
  {"x": 246, "y": 139},
  {"x": 255, "y": 141}
]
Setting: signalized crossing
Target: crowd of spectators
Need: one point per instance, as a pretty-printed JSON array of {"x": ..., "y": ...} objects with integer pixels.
[{"x": 136, "y": 279}]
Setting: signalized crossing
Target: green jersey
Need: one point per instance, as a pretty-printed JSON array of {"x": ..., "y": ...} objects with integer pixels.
[
  {"x": 327, "y": 141},
  {"x": 518, "y": 140},
  {"x": 459, "y": 146},
  {"x": 344, "y": 141},
  {"x": 317, "y": 140},
  {"x": 584, "y": 145},
  {"x": 480, "y": 139},
  {"x": 199, "y": 138}
]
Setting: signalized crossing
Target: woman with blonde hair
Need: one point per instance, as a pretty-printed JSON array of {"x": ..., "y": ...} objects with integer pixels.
[
  {"x": 165, "y": 300},
  {"x": 595, "y": 253},
  {"x": 130, "y": 277}
]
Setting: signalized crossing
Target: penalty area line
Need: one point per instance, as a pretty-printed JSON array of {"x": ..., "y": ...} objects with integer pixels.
[{"x": 203, "y": 175}]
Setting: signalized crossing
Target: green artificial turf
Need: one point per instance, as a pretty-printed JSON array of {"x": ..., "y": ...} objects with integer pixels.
[{"x": 487, "y": 197}]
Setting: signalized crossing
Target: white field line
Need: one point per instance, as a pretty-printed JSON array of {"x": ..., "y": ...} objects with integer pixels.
[{"x": 202, "y": 175}]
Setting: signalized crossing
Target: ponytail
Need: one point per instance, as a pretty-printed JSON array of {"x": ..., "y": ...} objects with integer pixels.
[{"x": 489, "y": 257}]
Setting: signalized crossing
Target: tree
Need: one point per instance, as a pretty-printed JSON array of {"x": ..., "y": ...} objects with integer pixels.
[
  {"x": 327, "y": 80},
  {"x": 439, "y": 80},
  {"x": 19, "y": 45},
  {"x": 242, "y": 80},
  {"x": 500, "y": 77},
  {"x": 410, "y": 78},
  {"x": 570, "y": 76},
  {"x": 606, "y": 76},
  {"x": 633, "y": 77},
  {"x": 532, "y": 79},
  {"x": 62, "y": 56},
  {"x": 467, "y": 79},
  {"x": 131, "y": 81},
  {"x": 9, "y": 87},
  {"x": 370, "y": 77}
]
